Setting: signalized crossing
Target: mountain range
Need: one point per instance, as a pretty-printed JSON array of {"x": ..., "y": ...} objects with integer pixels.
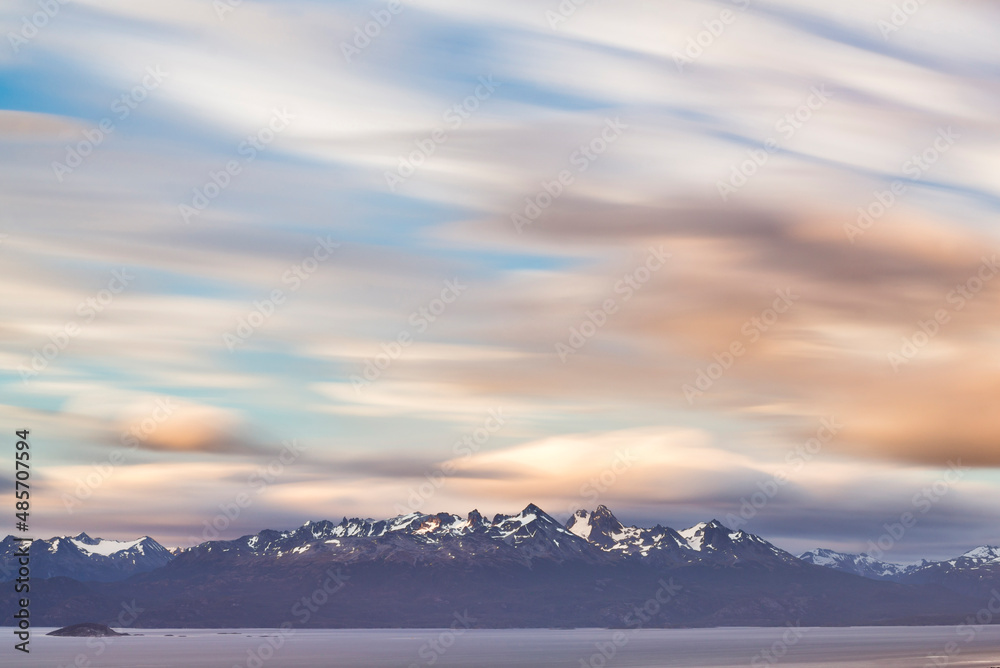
[
  {"x": 87, "y": 559},
  {"x": 972, "y": 573},
  {"x": 524, "y": 570}
]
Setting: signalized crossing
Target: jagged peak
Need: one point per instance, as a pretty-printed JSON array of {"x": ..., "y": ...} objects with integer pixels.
[
  {"x": 825, "y": 551},
  {"x": 534, "y": 512},
  {"x": 581, "y": 515},
  {"x": 600, "y": 526},
  {"x": 983, "y": 552},
  {"x": 711, "y": 524}
]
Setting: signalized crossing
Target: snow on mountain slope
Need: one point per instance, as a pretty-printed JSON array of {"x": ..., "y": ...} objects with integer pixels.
[
  {"x": 980, "y": 562},
  {"x": 590, "y": 537},
  {"x": 695, "y": 536},
  {"x": 706, "y": 541},
  {"x": 87, "y": 559},
  {"x": 972, "y": 564},
  {"x": 986, "y": 554},
  {"x": 106, "y": 548},
  {"x": 858, "y": 564},
  {"x": 416, "y": 537},
  {"x": 603, "y": 529},
  {"x": 972, "y": 573}
]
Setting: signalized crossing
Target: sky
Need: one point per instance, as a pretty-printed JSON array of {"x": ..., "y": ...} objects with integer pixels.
[{"x": 270, "y": 262}]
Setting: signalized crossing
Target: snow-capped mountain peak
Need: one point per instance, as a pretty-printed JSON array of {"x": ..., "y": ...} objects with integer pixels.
[
  {"x": 709, "y": 541},
  {"x": 858, "y": 564},
  {"x": 579, "y": 524},
  {"x": 696, "y": 535},
  {"x": 106, "y": 548},
  {"x": 529, "y": 522},
  {"x": 89, "y": 559},
  {"x": 600, "y": 526},
  {"x": 984, "y": 554},
  {"x": 475, "y": 520}
]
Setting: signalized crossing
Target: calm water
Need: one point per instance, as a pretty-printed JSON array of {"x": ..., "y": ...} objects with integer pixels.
[{"x": 909, "y": 647}]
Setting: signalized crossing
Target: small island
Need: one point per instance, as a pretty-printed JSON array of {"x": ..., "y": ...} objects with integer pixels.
[{"x": 86, "y": 630}]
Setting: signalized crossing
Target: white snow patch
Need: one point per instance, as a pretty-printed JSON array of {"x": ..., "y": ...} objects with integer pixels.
[
  {"x": 106, "y": 548},
  {"x": 695, "y": 536},
  {"x": 582, "y": 529},
  {"x": 987, "y": 552}
]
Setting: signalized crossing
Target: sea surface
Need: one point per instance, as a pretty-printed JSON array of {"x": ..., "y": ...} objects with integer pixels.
[{"x": 902, "y": 647}]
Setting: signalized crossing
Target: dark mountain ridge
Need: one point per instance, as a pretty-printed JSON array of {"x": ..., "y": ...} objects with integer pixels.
[{"x": 521, "y": 570}]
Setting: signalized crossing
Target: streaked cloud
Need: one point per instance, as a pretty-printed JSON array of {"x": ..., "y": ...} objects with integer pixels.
[{"x": 785, "y": 226}]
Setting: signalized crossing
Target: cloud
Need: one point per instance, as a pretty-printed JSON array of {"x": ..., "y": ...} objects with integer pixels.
[
  {"x": 129, "y": 420},
  {"x": 22, "y": 126},
  {"x": 841, "y": 349},
  {"x": 400, "y": 466},
  {"x": 202, "y": 429},
  {"x": 647, "y": 476},
  {"x": 688, "y": 129}
]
